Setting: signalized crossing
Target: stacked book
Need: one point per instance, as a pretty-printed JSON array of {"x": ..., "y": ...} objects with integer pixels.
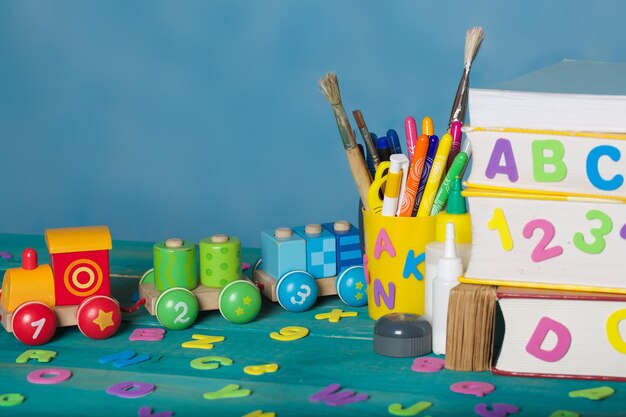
[{"x": 547, "y": 199}]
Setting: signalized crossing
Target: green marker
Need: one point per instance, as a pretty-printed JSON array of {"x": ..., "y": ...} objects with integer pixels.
[{"x": 444, "y": 190}]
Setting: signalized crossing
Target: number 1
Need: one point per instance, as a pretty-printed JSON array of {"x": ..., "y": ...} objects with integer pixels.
[{"x": 498, "y": 222}]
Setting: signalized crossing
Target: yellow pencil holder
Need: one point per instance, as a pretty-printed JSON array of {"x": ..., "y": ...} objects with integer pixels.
[{"x": 395, "y": 268}]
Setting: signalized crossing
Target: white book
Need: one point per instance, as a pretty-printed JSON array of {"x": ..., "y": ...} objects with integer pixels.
[
  {"x": 571, "y": 96},
  {"x": 527, "y": 240}
]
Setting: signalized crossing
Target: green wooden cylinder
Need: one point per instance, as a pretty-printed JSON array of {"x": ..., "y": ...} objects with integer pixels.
[
  {"x": 220, "y": 260},
  {"x": 175, "y": 265}
]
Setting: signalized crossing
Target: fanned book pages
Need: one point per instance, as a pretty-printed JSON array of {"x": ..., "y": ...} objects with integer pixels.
[
  {"x": 567, "y": 163},
  {"x": 562, "y": 334},
  {"x": 470, "y": 329},
  {"x": 568, "y": 96},
  {"x": 547, "y": 241}
]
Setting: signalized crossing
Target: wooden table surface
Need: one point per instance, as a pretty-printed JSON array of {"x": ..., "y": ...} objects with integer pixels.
[{"x": 333, "y": 353}]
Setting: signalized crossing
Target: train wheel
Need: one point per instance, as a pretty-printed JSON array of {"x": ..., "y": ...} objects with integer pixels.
[
  {"x": 176, "y": 308},
  {"x": 258, "y": 265},
  {"x": 240, "y": 302},
  {"x": 99, "y": 317},
  {"x": 148, "y": 277},
  {"x": 352, "y": 286},
  {"x": 34, "y": 323},
  {"x": 296, "y": 291}
]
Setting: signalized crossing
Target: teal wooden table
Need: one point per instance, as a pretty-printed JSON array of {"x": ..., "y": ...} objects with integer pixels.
[{"x": 333, "y": 353}]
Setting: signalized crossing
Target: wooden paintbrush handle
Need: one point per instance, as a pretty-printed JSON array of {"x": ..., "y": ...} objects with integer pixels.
[{"x": 360, "y": 173}]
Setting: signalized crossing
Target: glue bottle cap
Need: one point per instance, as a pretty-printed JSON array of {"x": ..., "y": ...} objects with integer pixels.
[
  {"x": 450, "y": 266},
  {"x": 456, "y": 202}
]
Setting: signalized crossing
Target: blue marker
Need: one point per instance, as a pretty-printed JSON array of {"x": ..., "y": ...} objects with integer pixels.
[
  {"x": 382, "y": 146},
  {"x": 394, "y": 140},
  {"x": 433, "y": 143}
]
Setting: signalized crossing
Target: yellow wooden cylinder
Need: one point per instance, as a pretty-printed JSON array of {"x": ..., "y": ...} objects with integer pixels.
[
  {"x": 395, "y": 267},
  {"x": 20, "y": 285}
]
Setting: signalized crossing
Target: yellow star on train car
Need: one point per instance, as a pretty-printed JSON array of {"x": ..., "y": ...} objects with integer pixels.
[
  {"x": 239, "y": 311},
  {"x": 247, "y": 300},
  {"x": 104, "y": 319},
  {"x": 359, "y": 285}
]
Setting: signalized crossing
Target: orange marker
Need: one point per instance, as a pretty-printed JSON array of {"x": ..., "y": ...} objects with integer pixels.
[
  {"x": 428, "y": 128},
  {"x": 413, "y": 180}
]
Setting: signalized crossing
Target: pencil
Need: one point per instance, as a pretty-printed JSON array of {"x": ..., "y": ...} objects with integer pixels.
[
  {"x": 434, "y": 178},
  {"x": 360, "y": 173}
]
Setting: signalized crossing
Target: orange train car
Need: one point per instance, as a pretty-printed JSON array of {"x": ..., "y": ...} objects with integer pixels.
[{"x": 73, "y": 290}]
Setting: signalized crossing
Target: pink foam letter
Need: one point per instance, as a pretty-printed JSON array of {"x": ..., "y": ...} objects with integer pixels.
[
  {"x": 564, "y": 340},
  {"x": 383, "y": 243}
]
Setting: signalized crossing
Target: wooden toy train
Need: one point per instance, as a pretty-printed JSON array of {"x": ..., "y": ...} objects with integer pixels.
[
  {"x": 73, "y": 290},
  {"x": 301, "y": 263},
  {"x": 173, "y": 293}
]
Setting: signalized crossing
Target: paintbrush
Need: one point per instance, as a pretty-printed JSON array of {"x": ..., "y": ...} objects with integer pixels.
[
  {"x": 367, "y": 138},
  {"x": 360, "y": 173},
  {"x": 473, "y": 39}
]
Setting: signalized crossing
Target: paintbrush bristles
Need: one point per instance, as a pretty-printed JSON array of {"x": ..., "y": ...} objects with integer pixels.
[
  {"x": 330, "y": 87},
  {"x": 473, "y": 39}
]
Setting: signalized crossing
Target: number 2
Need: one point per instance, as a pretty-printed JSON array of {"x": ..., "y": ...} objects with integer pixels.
[
  {"x": 541, "y": 251},
  {"x": 181, "y": 317}
]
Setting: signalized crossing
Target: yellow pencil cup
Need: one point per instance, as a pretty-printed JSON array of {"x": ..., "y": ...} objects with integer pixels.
[{"x": 394, "y": 264}]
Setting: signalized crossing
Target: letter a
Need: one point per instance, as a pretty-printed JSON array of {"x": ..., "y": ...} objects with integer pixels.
[
  {"x": 383, "y": 243},
  {"x": 502, "y": 149}
]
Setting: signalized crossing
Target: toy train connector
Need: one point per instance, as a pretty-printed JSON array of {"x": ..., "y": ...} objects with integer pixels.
[
  {"x": 73, "y": 290},
  {"x": 174, "y": 295},
  {"x": 299, "y": 264}
]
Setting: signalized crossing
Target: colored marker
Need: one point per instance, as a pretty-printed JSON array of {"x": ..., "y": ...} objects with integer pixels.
[
  {"x": 393, "y": 137},
  {"x": 455, "y": 132},
  {"x": 413, "y": 180},
  {"x": 467, "y": 148},
  {"x": 434, "y": 178},
  {"x": 383, "y": 149},
  {"x": 410, "y": 131},
  {"x": 433, "y": 143},
  {"x": 455, "y": 170},
  {"x": 427, "y": 126},
  {"x": 398, "y": 168}
]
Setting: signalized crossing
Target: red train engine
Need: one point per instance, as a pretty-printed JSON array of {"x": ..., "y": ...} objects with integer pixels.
[{"x": 73, "y": 290}]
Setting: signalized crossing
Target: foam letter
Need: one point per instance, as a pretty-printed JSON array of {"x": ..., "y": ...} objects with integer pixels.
[
  {"x": 379, "y": 292},
  {"x": 383, "y": 243},
  {"x": 333, "y": 396},
  {"x": 497, "y": 410},
  {"x": 149, "y": 335},
  {"x": 49, "y": 376},
  {"x": 147, "y": 412},
  {"x": 10, "y": 400},
  {"x": 229, "y": 391},
  {"x": 476, "y": 388},
  {"x": 593, "y": 173},
  {"x": 564, "y": 340},
  {"x": 612, "y": 330},
  {"x": 202, "y": 341},
  {"x": 411, "y": 263},
  {"x": 554, "y": 159},
  {"x": 502, "y": 149},
  {"x": 130, "y": 389},
  {"x": 40, "y": 355},
  {"x": 125, "y": 358}
]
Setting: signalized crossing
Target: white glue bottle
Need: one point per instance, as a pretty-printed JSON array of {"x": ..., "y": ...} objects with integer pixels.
[
  {"x": 456, "y": 212},
  {"x": 449, "y": 269}
]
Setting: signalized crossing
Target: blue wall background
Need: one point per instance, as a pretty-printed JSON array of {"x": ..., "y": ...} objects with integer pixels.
[{"x": 186, "y": 119}]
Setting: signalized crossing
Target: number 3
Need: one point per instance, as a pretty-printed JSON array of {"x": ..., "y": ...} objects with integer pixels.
[{"x": 598, "y": 244}]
